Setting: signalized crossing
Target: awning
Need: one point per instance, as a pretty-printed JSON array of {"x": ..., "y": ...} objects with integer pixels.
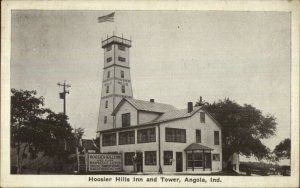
[{"x": 196, "y": 146}]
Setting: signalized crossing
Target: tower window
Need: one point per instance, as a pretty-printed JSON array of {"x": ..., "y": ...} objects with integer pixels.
[
  {"x": 106, "y": 104},
  {"x": 123, "y": 89},
  {"x": 122, "y": 74},
  {"x": 105, "y": 119},
  {"x": 108, "y": 74},
  {"x": 108, "y": 59},
  {"x": 107, "y": 89},
  {"x": 108, "y": 48},
  {"x": 121, "y": 47},
  {"x": 121, "y": 59}
]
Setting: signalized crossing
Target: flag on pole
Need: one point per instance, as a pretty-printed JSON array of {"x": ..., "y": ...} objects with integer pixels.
[{"x": 107, "y": 18}]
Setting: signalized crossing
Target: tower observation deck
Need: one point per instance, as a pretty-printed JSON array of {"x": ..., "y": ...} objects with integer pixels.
[{"x": 116, "y": 40}]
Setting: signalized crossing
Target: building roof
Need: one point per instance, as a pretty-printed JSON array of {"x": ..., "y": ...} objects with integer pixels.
[
  {"x": 146, "y": 106},
  {"x": 89, "y": 144},
  {"x": 196, "y": 146},
  {"x": 176, "y": 114}
]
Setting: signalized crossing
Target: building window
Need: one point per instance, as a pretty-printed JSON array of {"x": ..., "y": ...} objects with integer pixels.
[
  {"x": 168, "y": 157},
  {"x": 216, "y": 157},
  {"x": 109, "y": 139},
  {"x": 108, "y": 74},
  {"x": 121, "y": 59},
  {"x": 202, "y": 117},
  {"x": 175, "y": 135},
  {"x": 150, "y": 157},
  {"x": 195, "y": 159},
  {"x": 126, "y": 137},
  {"x": 105, "y": 119},
  {"x": 123, "y": 89},
  {"x": 122, "y": 74},
  {"x": 128, "y": 158},
  {"x": 106, "y": 104},
  {"x": 198, "y": 136},
  {"x": 146, "y": 135},
  {"x": 108, "y": 48},
  {"x": 108, "y": 59},
  {"x": 121, "y": 47},
  {"x": 217, "y": 138},
  {"x": 126, "y": 120},
  {"x": 107, "y": 89}
]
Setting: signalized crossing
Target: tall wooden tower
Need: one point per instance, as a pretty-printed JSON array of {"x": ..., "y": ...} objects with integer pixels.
[{"x": 116, "y": 82}]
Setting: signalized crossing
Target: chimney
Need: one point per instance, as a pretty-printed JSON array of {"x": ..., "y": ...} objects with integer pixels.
[
  {"x": 190, "y": 107},
  {"x": 151, "y": 100}
]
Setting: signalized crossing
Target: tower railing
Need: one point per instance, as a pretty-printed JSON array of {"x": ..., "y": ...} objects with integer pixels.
[{"x": 115, "y": 39}]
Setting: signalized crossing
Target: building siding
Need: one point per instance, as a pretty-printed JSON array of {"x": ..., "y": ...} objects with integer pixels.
[
  {"x": 145, "y": 117},
  {"x": 152, "y": 146},
  {"x": 126, "y": 108},
  {"x": 191, "y": 124}
]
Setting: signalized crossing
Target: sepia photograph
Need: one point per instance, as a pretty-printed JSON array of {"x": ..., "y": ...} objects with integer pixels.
[{"x": 186, "y": 97}]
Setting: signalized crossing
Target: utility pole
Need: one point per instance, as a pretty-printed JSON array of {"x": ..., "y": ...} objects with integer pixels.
[{"x": 63, "y": 94}]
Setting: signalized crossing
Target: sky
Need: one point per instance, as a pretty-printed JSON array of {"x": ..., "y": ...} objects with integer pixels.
[{"x": 176, "y": 57}]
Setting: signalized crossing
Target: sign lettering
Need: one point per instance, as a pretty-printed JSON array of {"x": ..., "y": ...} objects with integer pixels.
[{"x": 105, "y": 162}]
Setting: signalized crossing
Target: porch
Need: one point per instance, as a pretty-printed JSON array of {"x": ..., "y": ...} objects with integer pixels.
[{"x": 198, "y": 158}]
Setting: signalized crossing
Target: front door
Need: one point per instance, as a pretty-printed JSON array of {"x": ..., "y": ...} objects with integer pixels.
[
  {"x": 139, "y": 161},
  {"x": 179, "y": 162},
  {"x": 207, "y": 157}
]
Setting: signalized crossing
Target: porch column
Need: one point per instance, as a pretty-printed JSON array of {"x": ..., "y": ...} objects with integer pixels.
[
  {"x": 186, "y": 160},
  {"x": 193, "y": 159},
  {"x": 203, "y": 156},
  {"x": 210, "y": 160}
]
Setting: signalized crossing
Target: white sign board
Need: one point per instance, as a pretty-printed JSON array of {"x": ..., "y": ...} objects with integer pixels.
[{"x": 105, "y": 162}]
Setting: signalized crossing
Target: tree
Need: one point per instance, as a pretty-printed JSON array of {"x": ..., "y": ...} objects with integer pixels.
[
  {"x": 35, "y": 129},
  {"x": 243, "y": 127},
  {"x": 283, "y": 149},
  {"x": 78, "y": 134}
]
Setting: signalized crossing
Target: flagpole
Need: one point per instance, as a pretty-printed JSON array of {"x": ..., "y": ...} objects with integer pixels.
[{"x": 108, "y": 18}]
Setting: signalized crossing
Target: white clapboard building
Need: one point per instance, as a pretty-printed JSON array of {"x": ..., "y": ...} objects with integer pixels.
[{"x": 151, "y": 136}]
